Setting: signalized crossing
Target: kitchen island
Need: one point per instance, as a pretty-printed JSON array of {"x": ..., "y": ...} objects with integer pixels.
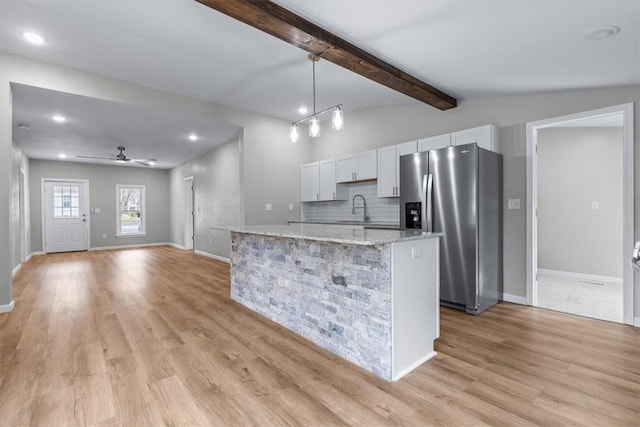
[{"x": 369, "y": 296}]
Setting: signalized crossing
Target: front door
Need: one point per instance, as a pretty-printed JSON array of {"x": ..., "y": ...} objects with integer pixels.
[{"x": 65, "y": 218}]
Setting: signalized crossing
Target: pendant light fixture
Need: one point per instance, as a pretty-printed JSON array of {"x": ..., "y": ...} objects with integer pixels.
[{"x": 337, "y": 120}]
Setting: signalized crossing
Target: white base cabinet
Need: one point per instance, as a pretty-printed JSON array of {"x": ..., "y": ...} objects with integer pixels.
[{"x": 415, "y": 284}]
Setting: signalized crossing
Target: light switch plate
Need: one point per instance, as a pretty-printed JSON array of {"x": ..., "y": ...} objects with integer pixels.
[
  {"x": 268, "y": 207},
  {"x": 513, "y": 204},
  {"x": 595, "y": 205},
  {"x": 96, "y": 210},
  {"x": 290, "y": 207}
]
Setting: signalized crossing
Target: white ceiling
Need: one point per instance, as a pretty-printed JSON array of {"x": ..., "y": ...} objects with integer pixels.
[
  {"x": 467, "y": 49},
  {"x": 96, "y": 127}
]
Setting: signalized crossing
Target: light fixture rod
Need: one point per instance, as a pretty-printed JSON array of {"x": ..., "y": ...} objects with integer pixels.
[
  {"x": 315, "y": 114},
  {"x": 313, "y": 61}
]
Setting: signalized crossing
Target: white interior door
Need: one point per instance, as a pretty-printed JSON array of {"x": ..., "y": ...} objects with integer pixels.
[
  {"x": 188, "y": 213},
  {"x": 65, "y": 216}
]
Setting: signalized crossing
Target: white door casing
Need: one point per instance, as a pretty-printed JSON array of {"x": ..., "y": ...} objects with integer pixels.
[
  {"x": 627, "y": 200},
  {"x": 65, "y": 215},
  {"x": 188, "y": 213}
]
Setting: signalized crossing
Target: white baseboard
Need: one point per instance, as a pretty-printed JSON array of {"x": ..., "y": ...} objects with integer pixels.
[
  {"x": 636, "y": 322},
  {"x": 16, "y": 269},
  {"x": 208, "y": 255},
  {"x": 581, "y": 276},
  {"x": 516, "y": 299},
  {"x": 32, "y": 254},
  {"x": 139, "y": 245},
  {"x": 404, "y": 372},
  {"x": 6, "y": 308},
  {"x": 177, "y": 246}
]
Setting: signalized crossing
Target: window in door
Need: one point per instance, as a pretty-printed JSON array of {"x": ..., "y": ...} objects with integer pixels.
[
  {"x": 130, "y": 215},
  {"x": 66, "y": 201}
]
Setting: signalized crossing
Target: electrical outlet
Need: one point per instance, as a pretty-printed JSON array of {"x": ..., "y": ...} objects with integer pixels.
[
  {"x": 268, "y": 207},
  {"x": 595, "y": 205},
  {"x": 513, "y": 204},
  {"x": 96, "y": 210},
  {"x": 210, "y": 240},
  {"x": 104, "y": 236},
  {"x": 290, "y": 206}
]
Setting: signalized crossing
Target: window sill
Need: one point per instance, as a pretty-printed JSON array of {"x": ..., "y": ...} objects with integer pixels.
[{"x": 131, "y": 235}]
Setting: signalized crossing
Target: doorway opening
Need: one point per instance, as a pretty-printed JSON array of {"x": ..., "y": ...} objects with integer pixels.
[
  {"x": 188, "y": 213},
  {"x": 65, "y": 215},
  {"x": 580, "y": 216}
]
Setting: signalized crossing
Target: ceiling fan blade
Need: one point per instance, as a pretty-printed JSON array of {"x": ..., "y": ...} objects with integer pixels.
[
  {"x": 92, "y": 157},
  {"x": 146, "y": 162}
]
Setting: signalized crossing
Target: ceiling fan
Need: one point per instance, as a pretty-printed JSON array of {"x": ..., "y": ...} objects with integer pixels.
[{"x": 122, "y": 158}]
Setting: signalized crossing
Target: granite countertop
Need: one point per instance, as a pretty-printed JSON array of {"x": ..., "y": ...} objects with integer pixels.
[
  {"x": 326, "y": 233},
  {"x": 365, "y": 224}
]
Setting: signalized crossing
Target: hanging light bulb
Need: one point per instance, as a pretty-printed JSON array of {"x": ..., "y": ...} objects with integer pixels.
[
  {"x": 337, "y": 121},
  {"x": 314, "y": 127},
  {"x": 293, "y": 133}
]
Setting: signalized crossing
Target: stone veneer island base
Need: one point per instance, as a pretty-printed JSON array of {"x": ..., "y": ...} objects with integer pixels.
[{"x": 369, "y": 296}]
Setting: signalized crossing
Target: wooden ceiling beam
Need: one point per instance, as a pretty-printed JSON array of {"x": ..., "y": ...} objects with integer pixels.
[{"x": 286, "y": 25}]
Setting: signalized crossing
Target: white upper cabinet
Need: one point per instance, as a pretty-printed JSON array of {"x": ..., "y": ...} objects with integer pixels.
[
  {"x": 328, "y": 189},
  {"x": 357, "y": 167},
  {"x": 389, "y": 167},
  {"x": 387, "y": 171},
  {"x": 318, "y": 182},
  {"x": 434, "y": 142},
  {"x": 485, "y": 136},
  {"x": 310, "y": 184}
]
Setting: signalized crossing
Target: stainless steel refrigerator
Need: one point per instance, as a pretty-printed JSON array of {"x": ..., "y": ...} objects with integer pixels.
[{"x": 458, "y": 191}]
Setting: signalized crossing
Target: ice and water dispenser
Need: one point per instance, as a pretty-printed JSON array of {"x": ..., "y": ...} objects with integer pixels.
[{"x": 413, "y": 215}]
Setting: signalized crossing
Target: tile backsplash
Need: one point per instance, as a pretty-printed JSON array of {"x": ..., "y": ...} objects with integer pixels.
[{"x": 379, "y": 209}]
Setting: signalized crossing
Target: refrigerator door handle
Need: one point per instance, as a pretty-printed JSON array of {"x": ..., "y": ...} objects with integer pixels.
[{"x": 427, "y": 201}]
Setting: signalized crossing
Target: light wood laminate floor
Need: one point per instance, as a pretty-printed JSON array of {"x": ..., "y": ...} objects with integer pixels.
[{"x": 150, "y": 337}]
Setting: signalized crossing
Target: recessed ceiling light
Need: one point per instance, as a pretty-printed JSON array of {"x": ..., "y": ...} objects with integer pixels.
[
  {"x": 602, "y": 32},
  {"x": 152, "y": 163},
  {"x": 62, "y": 156},
  {"x": 302, "y": 110},
  {"x": 58, "y": 118},
  {"x": 33, "y": 37},
  {"x": 193, "y": 137}
]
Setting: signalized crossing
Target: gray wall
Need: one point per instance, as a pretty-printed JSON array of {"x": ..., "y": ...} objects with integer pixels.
[
  {"x": 378, "y": 127},
  {"x": 216, "y": 179},
  {"x": 575, "y": 167},
  {"x": 269, "y": 163},
  {"x": 19, "y": 161},
  {"x": 102, "y": 194}
]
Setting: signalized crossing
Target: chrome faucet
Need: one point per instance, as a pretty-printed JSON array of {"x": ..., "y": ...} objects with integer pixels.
[{"x": 364, "y": 207}]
